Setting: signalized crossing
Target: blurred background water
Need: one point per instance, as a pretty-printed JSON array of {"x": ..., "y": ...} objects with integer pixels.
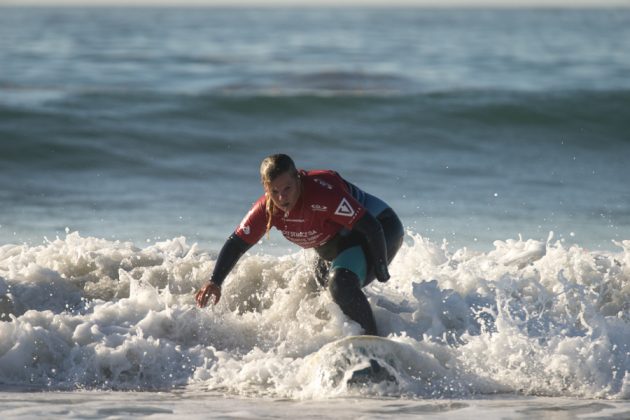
[{"x": 149, "y": 123}]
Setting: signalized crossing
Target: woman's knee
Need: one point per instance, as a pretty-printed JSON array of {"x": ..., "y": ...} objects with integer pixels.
[{"x": 343, "y": 285}]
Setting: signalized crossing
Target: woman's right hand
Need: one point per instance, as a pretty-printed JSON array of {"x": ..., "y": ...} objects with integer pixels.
[{"x": 203, "y": 294}]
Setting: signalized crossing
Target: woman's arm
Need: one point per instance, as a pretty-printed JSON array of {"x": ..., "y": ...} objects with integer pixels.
[
  {"x": 232, "y": 251},
  {"x": 372, "y": 230}
]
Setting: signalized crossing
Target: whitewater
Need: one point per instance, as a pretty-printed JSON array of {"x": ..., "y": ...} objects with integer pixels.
[{"x": 528, "y": 318}]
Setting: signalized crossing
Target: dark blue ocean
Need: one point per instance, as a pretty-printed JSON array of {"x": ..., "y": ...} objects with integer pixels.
[
  {"x": 475, "y": 125},
  {"x": 130, "y": 142}
]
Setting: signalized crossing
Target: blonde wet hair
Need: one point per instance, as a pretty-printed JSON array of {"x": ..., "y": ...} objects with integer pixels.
[{"x": 270, "y": 168}]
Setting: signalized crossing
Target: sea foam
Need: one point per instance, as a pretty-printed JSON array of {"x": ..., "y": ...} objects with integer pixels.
[{"x": 529, "y": 317}]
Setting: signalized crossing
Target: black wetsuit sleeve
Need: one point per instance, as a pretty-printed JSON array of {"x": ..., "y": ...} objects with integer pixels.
[
  {"x": 372, "y": 230},
  {"x": 232, "y": 251}
]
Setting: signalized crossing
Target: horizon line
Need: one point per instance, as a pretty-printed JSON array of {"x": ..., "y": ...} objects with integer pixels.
[
  {"x": 323, "y": 6},
  {"x": 542, "y": 4}
]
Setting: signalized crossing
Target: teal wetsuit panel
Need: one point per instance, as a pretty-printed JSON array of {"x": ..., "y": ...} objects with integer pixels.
[
  {"x": 374, "y": 204},
  {"x": 352, "y": 259}
]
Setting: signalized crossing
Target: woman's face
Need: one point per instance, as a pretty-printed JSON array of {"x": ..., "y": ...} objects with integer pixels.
[{"x": 284, "y": 191}]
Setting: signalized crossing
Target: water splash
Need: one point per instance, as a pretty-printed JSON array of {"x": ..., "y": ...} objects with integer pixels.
[{"x": 529, "y": 317}]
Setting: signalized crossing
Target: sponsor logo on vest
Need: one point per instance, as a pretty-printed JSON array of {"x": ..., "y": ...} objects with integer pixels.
[
  {"x": 306, "y": 239},
  {"x": 323, "y": 183},
  {"x": 319, "y": 207},
  {"x": 294, "y": 220},
  {"x": 245, "y": 229},
  {"x": 344, "y": 208},
  {"x": 297, "y": 235}
]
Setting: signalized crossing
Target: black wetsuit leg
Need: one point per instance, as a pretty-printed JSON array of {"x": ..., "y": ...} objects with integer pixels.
[
  {"x": 344, "y": 285},
  {"x": 322, "y": 267},
  {"x": 345, "y": 289}
]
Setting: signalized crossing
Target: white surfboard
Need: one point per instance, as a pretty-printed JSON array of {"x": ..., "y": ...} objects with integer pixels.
[
  {"x": 360, "y": 360},
  {"x": 365, "y": 360}
]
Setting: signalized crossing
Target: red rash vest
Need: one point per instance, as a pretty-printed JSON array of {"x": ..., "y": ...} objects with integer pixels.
[{"x": 324, "y": 208}]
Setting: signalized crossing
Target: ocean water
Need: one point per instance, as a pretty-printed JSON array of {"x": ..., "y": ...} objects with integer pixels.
[{"x": 130, "y": 140}]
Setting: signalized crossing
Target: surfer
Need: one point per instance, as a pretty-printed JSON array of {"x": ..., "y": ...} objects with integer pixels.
[{"x": 355, "y": 234}]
